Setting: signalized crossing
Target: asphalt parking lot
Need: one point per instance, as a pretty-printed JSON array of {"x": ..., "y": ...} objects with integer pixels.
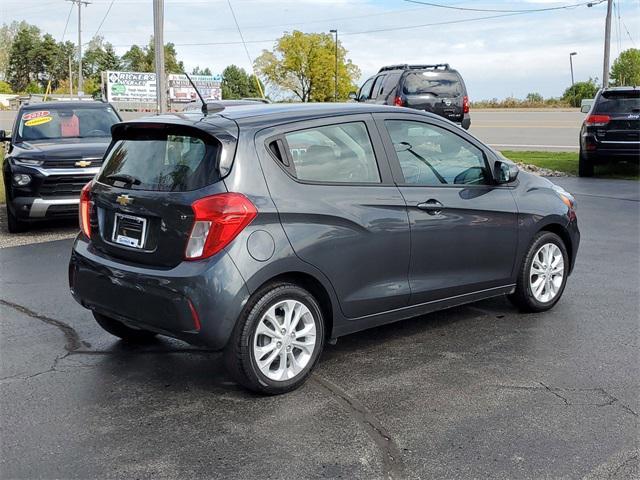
[{"x": 479, "y": 391}]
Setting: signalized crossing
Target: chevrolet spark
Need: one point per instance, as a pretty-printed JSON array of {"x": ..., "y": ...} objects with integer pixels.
[{"x": 267, "y": 231}]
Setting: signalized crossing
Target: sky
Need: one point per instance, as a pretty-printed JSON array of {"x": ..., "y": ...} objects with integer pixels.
[{"x": 498, "y": 57}]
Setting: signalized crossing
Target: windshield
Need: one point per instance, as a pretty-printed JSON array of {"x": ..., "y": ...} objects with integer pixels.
[
  {"x": 619, "y": 102},
  {"x": 59, "y": 123},
  {"x": 173, "y": 163},
  {"x": 438, "y": 84}
]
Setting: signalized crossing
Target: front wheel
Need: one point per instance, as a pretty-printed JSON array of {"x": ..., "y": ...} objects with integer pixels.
[
  {"x": 277, "y": 341},
  {"x": 543, "y": 274}
]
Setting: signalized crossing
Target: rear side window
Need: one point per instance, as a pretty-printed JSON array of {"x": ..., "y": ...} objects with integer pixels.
[
  {"x": 618, "y": 102},
  {"x": 365, "y": 90},
  {"x": 170, "y": 163},
  {"x": 439, "y": 84},
  {"x": 375, "y": 90},
  {"x": 336, "y": 153}
]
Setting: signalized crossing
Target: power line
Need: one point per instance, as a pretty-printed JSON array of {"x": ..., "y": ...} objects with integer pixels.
[
  {"x": 530, "y": 10},
  {"x": 104, "y": 18},
  {"x": 67, "y": 23},
  {"x": 245, "y": 47}
]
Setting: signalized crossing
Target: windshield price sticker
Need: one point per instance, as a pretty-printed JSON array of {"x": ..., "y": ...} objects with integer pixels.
[
  {"x": 38, "y": 114},
  {"x": 34, "y": 122}
]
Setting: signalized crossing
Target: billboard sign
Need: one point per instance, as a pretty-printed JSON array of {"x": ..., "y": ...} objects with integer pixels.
[
  {"x": 130, "y": 86},
  {"x": 180, "y": 90}
]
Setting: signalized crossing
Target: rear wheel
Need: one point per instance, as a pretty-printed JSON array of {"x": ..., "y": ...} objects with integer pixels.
[
  {"x": 585, "y": 167},
  {"x": 119, "y": 329},
  {"x": 277, "y": 341},
  {"x": 543, "y": 274},
  {"x": 14, "y": 225}
]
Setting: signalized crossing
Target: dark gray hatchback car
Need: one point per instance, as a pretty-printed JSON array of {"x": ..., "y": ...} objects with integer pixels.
[{"x": 269, "y": 230}]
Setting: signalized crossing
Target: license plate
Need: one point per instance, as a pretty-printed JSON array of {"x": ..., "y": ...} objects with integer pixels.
[{"x": 129, "y": 230}]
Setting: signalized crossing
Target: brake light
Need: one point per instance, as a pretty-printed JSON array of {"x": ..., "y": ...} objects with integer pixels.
[
  {"x": 597, "y": 120},
  {"x": 85, "y": 209},
  {"x": 218, "y": 220},
  {"x": 465, "y": 104},
  {"x": 398, "y": 102}
]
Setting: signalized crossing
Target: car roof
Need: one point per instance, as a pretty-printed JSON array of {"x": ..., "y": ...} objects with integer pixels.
[
  {"x": 61, "y": 105},
  {"x": 264, "y": 115},
  {"x": 619, "y": 89}
]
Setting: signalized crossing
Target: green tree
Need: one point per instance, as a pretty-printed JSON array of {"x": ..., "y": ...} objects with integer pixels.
[
  {"x": 5, "y": 87},
  {"x": 534, "y": 97},
  {"x": 237, "y": 83},
  {"x": 199, "y": 71},
  {"x": 7, "y": 35},
  {"x": 626, "y": 68},
  {"x": 24, "y": 64},
  {"x": 304, "y": 64},
  {"x": 98, "y": 57},
  {"x": 138, "y": 59},
  {"x": 580, "y": 90}
]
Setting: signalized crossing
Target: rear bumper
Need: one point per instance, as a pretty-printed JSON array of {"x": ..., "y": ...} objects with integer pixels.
[
  {"x": 602, "y": 152},
  {"x": 198, "y": 302}
]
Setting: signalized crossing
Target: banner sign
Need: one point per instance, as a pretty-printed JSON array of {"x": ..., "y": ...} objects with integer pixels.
[
  {"x": 130, "y": 86},
  {"x": 180, "y": 90},
  {"x": 141, "y": 87}
]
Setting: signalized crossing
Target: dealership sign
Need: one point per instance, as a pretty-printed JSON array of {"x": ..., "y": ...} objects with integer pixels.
[
  {"x": 141, "y": 87},
  {"x": 180, "y": 90}
]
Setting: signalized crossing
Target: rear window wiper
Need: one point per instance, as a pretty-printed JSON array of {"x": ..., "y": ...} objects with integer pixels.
[{"x": 123, "y": 177}]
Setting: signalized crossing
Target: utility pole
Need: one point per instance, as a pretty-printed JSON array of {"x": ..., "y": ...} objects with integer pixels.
[
  {"x": 70, "y": 79},
  {"x": 335, "y": 91},
  {"x": 158, "y": 40},
  {"x": 607, "y": 45},
  {"x": 571, "y": 65},
  {"x": 80, "y": 79}
]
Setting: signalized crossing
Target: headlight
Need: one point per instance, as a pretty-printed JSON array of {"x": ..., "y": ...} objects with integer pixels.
[
  {"x": 27, "y": 161},
  {"x": 21, "y": 179}
]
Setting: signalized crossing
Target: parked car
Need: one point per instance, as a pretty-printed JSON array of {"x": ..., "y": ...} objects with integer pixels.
[
  {"x": 267, "y": 231},
  {"x": 55, "y": 149},
  {"x": 437, "y": 89},
  {"x": 611, "y": 130}
]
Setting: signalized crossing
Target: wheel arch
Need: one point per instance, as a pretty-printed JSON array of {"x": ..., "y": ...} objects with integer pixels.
[{"x": 563, "y": 233}]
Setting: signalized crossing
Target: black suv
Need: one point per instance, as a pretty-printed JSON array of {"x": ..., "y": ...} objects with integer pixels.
[
  {"x": 437, "y": 89},
  {"x": 269, "y": 230},
  {"x": 611, "y": 130},
  {"x": 55, "y": 149}
]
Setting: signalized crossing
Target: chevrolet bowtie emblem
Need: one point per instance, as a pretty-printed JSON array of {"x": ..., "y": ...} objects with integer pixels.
[
  {"x": 83, "y": 163},
  {"x": 124, "y": 200}
]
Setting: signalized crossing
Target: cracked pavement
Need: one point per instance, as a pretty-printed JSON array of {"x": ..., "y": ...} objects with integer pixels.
[{"x": 479, "y": 391}]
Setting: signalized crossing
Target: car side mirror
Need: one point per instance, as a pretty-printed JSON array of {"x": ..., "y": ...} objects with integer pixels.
[
  {"x": 4, "y": 137},
  {"x": 506, "y": 172},
  {"x": 585, "y": 108},
  {"x": 353, "y": 96}
]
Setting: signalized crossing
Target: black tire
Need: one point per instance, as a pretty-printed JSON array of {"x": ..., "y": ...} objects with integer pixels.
[
  {"x": 14, "y": 225},
  {"x": 523, "y": 297},
  {"x": 585, "y": 167},
  {"x": 119, "y": 329},
  {"x": 239, "y": 355}
]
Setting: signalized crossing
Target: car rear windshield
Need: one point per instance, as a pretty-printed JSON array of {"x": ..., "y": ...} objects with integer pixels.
[
  {"x": 439, "y": 84},
  {"x": 619, "y": 102},
  {"x": 46, "y": 124},
  {"x": 169, "y": 163}
]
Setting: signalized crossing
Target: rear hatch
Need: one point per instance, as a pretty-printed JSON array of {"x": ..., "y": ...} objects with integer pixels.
[
  {"x": 152, "y": 174},
  {"x": 620, "y": 112},
  {"x": 438, "y": 92}
]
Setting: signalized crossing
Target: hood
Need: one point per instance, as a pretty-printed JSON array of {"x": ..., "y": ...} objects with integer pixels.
[{"x": 59, "y": 149}]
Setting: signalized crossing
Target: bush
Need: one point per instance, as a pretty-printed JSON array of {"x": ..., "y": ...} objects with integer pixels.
[{"x": 579, "y": 91}]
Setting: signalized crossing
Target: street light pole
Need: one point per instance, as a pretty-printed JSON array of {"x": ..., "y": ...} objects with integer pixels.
[
  {"x": 158, "y": 41},
  {"x": 571, "y": 64},
  {"x": 607, "y": 45},
  {"x": 335, "y": 91},
  {"x": 80, "y": 79}
]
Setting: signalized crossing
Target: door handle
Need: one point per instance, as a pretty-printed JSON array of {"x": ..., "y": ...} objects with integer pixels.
[{"x": 431, "y": 206}]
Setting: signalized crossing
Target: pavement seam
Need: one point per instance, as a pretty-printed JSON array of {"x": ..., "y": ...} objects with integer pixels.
[
  {"x": 391, "y": 457},
  {"x": 71, "y": 336}
]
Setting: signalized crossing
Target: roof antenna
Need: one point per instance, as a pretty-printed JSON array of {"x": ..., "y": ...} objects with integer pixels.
[{"x": 206, "y": 107}]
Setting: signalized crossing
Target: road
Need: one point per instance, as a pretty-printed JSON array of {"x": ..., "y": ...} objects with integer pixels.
[
  {"x": 478, "y": 391},
  {"x": 554, "y": 130}
]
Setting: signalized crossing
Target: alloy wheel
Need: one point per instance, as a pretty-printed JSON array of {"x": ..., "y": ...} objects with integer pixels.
[{"x": 547, "y": 273}]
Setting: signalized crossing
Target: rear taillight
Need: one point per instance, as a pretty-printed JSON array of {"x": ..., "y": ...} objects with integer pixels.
[
  {"x": 218, "y": 220},
  {"x": 465, "y": 104},
  {"x": 85, "y": 209},
  {"x": 597, "y": 120},
  {"x": 398, "y": 102}
]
